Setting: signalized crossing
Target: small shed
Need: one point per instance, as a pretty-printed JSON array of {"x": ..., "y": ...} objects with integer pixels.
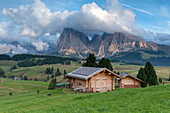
[
  {"x": 92, "y": 79},
  {"x": 129, "y": 81},
  {"x": 62, "y": 85}
]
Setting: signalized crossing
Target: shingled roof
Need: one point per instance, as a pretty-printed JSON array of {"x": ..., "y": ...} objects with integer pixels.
[
  {"x": 126, "y": 74},
  {"x": 87, "y": 72}
]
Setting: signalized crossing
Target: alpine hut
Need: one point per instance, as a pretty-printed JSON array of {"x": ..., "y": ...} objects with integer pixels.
[
  {"x": 129, "y": 81},
  {"x": 92, "y": 79}
]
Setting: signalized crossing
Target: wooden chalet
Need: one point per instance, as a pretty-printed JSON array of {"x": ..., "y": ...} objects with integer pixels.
[
  {"x": 129, "y": 81},
  {"x": 92, "y": 79}
]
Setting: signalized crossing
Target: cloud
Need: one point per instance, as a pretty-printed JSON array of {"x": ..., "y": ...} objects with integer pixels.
[
  {"x": 140, "y": 10},
  {"x": 36, "y": 19},
  {"x": 162, "y": 38},
  {"x": 14, "y": 49},
  {"x": 41, "y": 46},
  {"x": 168, "y": 22}
]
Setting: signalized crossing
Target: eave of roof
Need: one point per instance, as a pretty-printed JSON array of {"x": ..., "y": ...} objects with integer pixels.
[
  {"x": 89, "y": 76},
  {"x": 132, "y": 77}
]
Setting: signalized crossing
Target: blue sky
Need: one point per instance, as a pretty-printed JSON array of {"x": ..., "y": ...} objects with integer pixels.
[{"x": 157, "y": 22}]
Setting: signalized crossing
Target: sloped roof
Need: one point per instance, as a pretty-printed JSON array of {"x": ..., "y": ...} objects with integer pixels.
[
  {"x": 126, "y": 74},
  {"x": 87, "y": 72}
]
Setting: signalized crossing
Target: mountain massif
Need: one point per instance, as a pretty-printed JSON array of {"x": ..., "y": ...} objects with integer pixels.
[{"x": 73, "y": 42}]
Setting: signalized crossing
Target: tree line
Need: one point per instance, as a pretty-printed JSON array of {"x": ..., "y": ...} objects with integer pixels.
[
  {"x": 29, "y": 56},
  {"x": 33, "y": 62},
  {"x": 91, "y": 62}
]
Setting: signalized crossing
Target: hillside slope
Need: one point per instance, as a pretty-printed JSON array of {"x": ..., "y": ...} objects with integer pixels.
[{"x": 153, "y": 99}]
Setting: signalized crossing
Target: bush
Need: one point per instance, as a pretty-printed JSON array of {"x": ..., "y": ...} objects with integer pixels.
[
  {"x": 10, "y": 93},
  {"x": 52, "y": 84}
]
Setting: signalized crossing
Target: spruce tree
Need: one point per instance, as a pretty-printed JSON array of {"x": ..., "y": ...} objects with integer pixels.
[
  {"x": 65, "y": 73},
  {"x": 105, "y": 63},
  {"x": 90, "y": 61},
  {"x": 151, "y": 74},
  {"x": 2, "y": 72},
  {"x": 141, "y": 75},
  {"x": 52, "y": 84}
]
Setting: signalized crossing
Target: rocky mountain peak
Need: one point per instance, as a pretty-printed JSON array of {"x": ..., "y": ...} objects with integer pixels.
[{"x": 74, "y": 42}]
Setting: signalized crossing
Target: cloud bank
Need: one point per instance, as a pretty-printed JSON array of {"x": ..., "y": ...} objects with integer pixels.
[{"x": 35, "y": 24}]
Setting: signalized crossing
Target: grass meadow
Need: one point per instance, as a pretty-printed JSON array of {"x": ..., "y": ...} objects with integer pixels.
[{"x": 155, "y": 99}]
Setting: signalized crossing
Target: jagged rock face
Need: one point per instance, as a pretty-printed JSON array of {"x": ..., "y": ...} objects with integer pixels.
[
  {"x": 73, "y": 42},
  {"x": 119, "y": 42}
]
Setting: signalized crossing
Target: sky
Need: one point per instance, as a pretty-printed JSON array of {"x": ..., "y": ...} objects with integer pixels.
[{"x": 39, "y": 22}]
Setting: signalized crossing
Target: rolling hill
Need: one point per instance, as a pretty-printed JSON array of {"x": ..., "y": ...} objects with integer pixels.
[{"x": 63, "y": 100}]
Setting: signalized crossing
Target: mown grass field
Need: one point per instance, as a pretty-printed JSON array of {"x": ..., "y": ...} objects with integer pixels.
[{"x": 155, "y": 99}]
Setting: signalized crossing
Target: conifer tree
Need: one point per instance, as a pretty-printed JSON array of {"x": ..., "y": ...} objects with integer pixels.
[
  {"x": 141, "y": 75},
  {"x": 151, "y": 74},
  {"x": 65, "y": 73},
  {"x": 105, "y": 63},
  {"x": 90, "y": 61},
  {"x": 52, "y": 84}
]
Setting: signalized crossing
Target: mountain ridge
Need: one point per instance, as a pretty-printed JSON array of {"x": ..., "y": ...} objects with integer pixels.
[{"x": 72, "y": 42}]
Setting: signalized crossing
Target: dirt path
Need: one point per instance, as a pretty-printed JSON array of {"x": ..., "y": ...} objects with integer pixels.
[
  {"x": 12, "y": 88},
  {"x": 30, "y": 85}
]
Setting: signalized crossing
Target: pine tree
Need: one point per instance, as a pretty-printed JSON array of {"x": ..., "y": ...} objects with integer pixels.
[
  {"x": 52, "y": 84},
  {"x": 25, "y": 78},
  {"x": 151, "y": 74},
  {"x": 48, "y": 77},
  {"x": 52, "y": 76},
  {"x": 2, "y": 72},
  {"x": 65, "y": 73},
  {"x": 141, "y": 75},
  {"x": 105, "y": 63},
  {"x": 14, "y": 67},
  {"x": 36, "y": 79},
  {"x": 90, "y": 61}
]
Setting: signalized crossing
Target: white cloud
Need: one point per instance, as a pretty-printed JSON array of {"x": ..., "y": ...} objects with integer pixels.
[
  {"x": 41, "y": 46},
  {"x": 168, "y": 22},
  {"x": 36, "y": 19},
  {"x": 8, "y": 48},
  {"x": 36, "y": 22}
]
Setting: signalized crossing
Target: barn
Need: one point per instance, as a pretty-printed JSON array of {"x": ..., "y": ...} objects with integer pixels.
[
  {"x": 92, "y": 79},
  {"x": 129, "y": 81}
]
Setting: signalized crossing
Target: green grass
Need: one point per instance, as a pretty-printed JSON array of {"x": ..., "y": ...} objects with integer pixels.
[
  {"x": 39, "y": 71},
  {"x": 9, "y": 85},
  {"x": 154, "y": 99}
]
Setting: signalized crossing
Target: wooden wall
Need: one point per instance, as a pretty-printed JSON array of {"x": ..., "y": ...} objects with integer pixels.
[
  {"x": 75, "y": 83},
  {"x": 100, "y": 82},
  {"x": 129, "y": 82}
]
